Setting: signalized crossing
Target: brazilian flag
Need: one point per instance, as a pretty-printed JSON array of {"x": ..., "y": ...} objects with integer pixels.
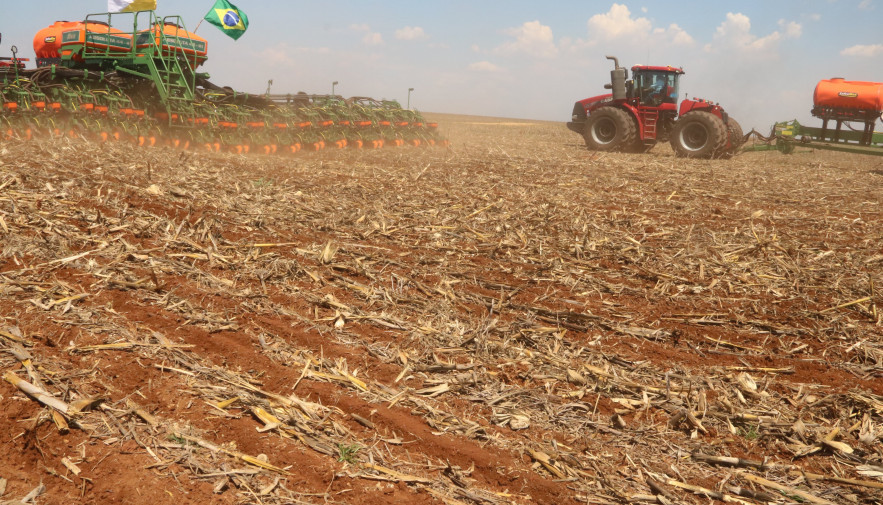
[{"x": 228, "y": 18}]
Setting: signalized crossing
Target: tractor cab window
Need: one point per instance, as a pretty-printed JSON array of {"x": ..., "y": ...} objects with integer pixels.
[{"x": 656, "y": 88}]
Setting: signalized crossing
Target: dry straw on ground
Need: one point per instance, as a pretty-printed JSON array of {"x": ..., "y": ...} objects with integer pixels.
[{"x": 511, "y": 320}]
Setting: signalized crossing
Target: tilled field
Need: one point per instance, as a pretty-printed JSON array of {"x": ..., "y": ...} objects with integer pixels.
[{"x": 511, "y": 320}]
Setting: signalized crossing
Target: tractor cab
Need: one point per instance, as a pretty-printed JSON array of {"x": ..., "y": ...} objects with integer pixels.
[{"x": 655, "y": 86}]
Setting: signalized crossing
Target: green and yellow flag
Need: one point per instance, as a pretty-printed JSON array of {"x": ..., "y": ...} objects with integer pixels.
[{"x": 228, "y": 18}]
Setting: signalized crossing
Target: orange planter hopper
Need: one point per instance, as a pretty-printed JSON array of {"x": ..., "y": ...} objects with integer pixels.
[
  {"x": 175, "y": 40},
  {"x": 841, "y": 94},
  {"x": 63, "y": 37}
]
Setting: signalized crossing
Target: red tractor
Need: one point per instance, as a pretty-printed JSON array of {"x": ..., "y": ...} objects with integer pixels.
[
  {"x": 12, "y": 62},
  {"x": 644, "y": 110}
]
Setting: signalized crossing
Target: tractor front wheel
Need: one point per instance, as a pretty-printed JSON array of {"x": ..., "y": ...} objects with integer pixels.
[
  {"x": 609, "y": 129},
  {"x": 698, "y": 134}
]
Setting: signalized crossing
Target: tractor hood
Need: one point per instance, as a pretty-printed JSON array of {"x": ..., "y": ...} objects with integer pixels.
[
  {"x": 590, "y": 103},
  {"x": 582, "y": 108}
]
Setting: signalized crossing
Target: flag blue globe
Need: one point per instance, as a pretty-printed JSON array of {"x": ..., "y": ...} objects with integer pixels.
[
  {"x": 231, "y": 18},
  {"x": 232, "y": 21}
]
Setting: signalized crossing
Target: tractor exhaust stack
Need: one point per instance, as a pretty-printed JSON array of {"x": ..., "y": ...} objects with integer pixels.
[{"x": 617, "y": 79}]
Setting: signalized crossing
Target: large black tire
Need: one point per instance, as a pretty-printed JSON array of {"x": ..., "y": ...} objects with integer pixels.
[
  {"x": 735, "y": 138},
  {"x": 699, "y": 134},
  {"x": 610, "y": 129}
]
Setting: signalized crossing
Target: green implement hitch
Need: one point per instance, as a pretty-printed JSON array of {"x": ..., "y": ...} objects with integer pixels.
[{"x": 787, "y": 136}]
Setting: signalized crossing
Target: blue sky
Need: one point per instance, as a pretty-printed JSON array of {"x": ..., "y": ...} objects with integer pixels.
[{"x": 523, "y": 59}]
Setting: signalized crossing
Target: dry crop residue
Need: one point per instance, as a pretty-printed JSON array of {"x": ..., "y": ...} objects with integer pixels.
[{"x": 511, "y": 320}]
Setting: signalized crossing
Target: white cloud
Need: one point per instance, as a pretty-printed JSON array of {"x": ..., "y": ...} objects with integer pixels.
[
  {"x": 866, "y": 51},
  {"x": 532, "y": 38},
  {"x": 793, "y": 30},
  {"x": 735, "y": 33},
  {"x": 866, "y": 5},
  {"x": 282, "y": 54},
  {"x": 372, "y": 39},
  {"x": 618, "y": 22},
  {"x": 676, "y": 34},
  {"x": 410, "y": 33},
  {"x": 484, "y": 66}
]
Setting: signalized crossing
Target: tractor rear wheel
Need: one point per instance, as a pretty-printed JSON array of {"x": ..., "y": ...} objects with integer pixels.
[
  {"x": 610, "y": 129},
  {"x": 735, "y": 138},
  {"x": 698, "y": 134}
]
